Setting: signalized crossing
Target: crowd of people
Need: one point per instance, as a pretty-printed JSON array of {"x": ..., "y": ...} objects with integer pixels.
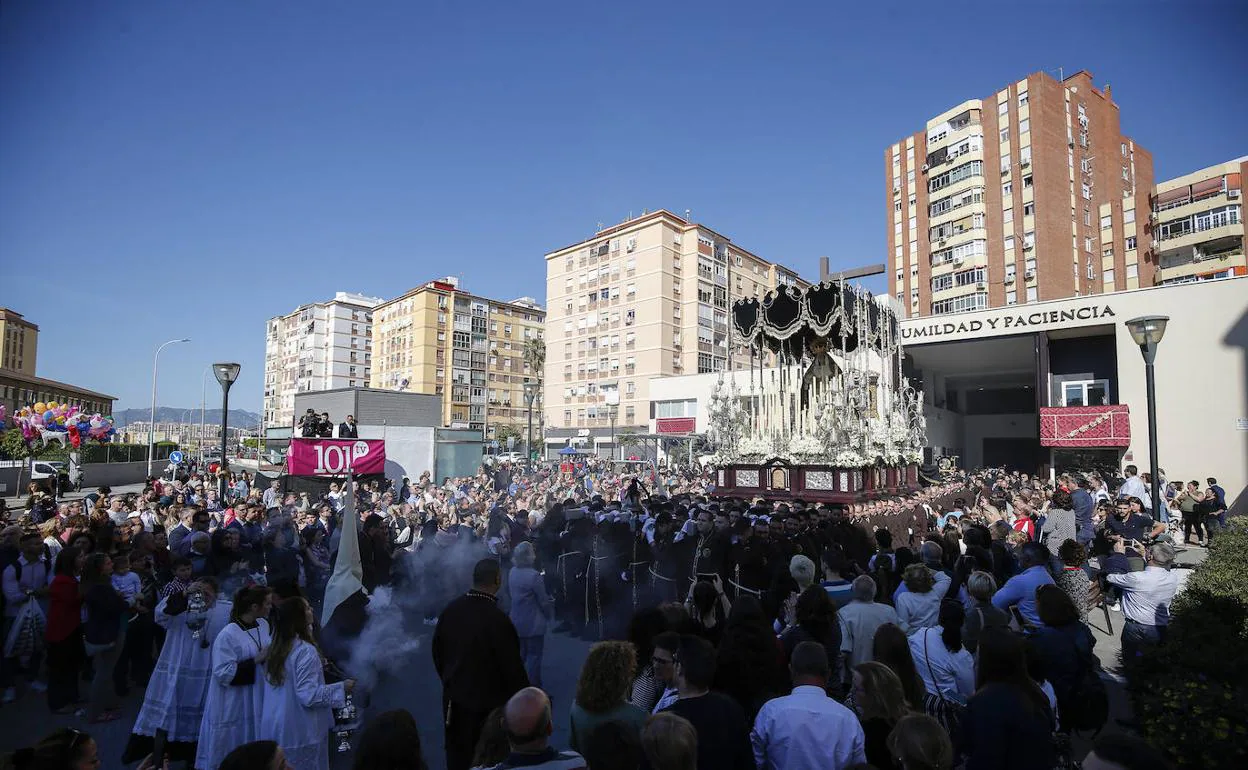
[{"x": 923, "y": 629}]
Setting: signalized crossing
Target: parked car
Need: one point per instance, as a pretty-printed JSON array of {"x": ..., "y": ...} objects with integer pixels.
[{"x": 47, "y": 474}]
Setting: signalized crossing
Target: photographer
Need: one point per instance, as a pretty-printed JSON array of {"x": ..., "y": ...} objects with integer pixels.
[
  {"x": 309, "y": 424},
  {"x": 324, "y": 426}
]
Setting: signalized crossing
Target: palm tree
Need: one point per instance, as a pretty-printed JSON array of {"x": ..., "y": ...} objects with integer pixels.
[{"x": 535, "y": 357}]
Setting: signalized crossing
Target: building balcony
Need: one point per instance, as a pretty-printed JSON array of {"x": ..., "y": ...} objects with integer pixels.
[
  {"x": 1194, "y": 238},
  {"x": 1189, "y": 207},
  {"x": 1085, "y": 426}
]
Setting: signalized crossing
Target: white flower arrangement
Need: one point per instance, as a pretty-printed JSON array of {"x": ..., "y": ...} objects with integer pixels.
[
  {"x": 847, "y": 458},
  {"x": 754, "y": 446},
  {"x": 913, "y": 455},
  {"x": 805, "y": 447}
]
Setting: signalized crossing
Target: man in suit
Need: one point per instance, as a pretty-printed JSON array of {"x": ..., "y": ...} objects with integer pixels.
[
  {"x": 348, "y": 429},
  {"x": 476, "y": 653}
]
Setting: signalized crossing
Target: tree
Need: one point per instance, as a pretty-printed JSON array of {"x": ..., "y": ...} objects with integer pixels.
[
  {"x": 535, "y": 356},
  {"x": 504, "y": 431},
  {"x": 13, "y": 445}
]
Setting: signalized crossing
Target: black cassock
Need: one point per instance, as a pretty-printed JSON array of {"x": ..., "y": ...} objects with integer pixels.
[{"x": 477, "y": 656}]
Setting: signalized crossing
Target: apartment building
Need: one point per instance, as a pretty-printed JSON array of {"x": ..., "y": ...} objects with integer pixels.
[
  {"x": 1198, "y": 224},
  {"x": 645, "y": 298},
  {"x": 1026, "y": 195},
  {"x": 441, "y": 339},
  {"x": 19, "y": 341},
  {"x": 318, "y": 346}
]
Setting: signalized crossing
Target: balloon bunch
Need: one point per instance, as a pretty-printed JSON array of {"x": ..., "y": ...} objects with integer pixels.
[{"x": 53, "y": 422}]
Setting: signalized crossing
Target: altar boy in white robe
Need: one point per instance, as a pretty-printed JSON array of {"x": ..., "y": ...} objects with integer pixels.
[
  {"x": 236, "y": 692},
  {"x": 298, "y": 706},
  {"x": 173, "y": 705}
]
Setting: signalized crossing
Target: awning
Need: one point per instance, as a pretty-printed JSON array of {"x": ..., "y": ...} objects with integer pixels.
[
  {"x": 1207, "y": 187},
  {"x": 675, "y": 425},
  {"x": 1172, "y": 196},
  {"x": 1085, "y": 426}
]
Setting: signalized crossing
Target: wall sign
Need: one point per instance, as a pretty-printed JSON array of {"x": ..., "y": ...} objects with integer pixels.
[{"x": 1011, "y": 320}]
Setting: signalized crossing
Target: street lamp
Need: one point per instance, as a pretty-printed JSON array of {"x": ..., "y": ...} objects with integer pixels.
[
  {"x": 530, "y": 395},
  {"x": 151, "y": 423},
  {"x": 203, "y": 403},
  {"x": 1147, "y": 332},
  {"x": 612, "y": 399},
  {"x": 226, "y": 374}
]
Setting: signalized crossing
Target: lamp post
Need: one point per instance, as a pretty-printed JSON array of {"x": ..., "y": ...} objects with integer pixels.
[
  {"x": 530, "y": 395},
  {"x": 151, "y": 423},
  {"x": 203, "y": 403},
  {"x": 1147, "y": 332},
  {"x": 612, "y": 399},
  {"x": 226, "y": 374}
]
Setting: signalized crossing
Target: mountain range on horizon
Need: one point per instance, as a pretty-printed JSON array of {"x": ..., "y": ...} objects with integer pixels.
[{"x": 239, "y": 418}]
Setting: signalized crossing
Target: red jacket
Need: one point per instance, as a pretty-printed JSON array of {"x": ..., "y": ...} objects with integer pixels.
[{"x": 64, "y": 608}]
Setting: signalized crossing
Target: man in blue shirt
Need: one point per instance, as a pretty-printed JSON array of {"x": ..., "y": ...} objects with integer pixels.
[{"x": 1020, "y": 590}]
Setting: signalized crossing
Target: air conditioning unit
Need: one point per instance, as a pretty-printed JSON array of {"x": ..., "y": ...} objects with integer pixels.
[
  {"x": 1232, "y": 193},
  {"x": 1030, "y": 274},
  {"x": 1152, "y": 215},
  {"x": 940, "y": 242},
  {"x": 957, "y": 261},
  {"x": 1156, "y": 244},
  {"x": 981, "y": 285},
  {"x": 1024, "y": 163},
  {"x": 924, "y": 167},
  {"x": 632, "y": 244},
  {"x": 1009, "y": 278},
  {"x": 1028, "y": 246},
  {"x": 896, "y": 189}
]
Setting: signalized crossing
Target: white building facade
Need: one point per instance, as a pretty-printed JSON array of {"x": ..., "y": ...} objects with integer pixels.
[{"x": 318, "y": 346}]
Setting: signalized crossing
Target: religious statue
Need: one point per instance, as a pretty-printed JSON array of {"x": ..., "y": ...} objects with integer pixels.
[{"x": 821, "y": 373}]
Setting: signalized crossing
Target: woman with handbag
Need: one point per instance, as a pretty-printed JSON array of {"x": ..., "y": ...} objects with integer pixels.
[
  {"x": 102, "y": 634},
  {"x": 945, "y": 666}
]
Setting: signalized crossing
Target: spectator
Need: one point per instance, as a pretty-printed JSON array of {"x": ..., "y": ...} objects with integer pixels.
[
  {"x": 103, "y": 635},
  {"x": 807, "y": 730},
  {"x": 64, "y": 632},
  {"x": 918, "y": 742},
  {"x": 1062, "y": 650},
  {"x": 892, "y": 648},
  {"x": 527, "y": 720},
  {"x": 1072, "y": 578},
  {"x": 24, "y": 579},
  {"x": 531, "y": 609},
  {"x": 981, "y": 587},
  {"x": 723, "y": 733},
  {"x": 881, "y": 705},
  {"x": 602, "y": 689},
  {"x": 1060, "y": 522},
  {"x": 64, "y": 749},
  {"x": 749, "y": 665},
  {"x": 670, "y": 742},
  {"x": 1008, "y": 722},
  {"x": 1146, "y": 597},
  {"x": 1020, "y": 590},
  {"x": 492, "y": 746},
  {"x": 860, "y": 619},
  {"x": 389, "y": 741},
  {"x": 815, "y": 621},
  {"x": 614, "y": 746},
  {"x": 649, "y": 683},
  {"x": 945, "y": 665},
  {"x": 918, "y": 607}
]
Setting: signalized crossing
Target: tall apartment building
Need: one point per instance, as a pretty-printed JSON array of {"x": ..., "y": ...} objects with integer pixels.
[
  {"x": 438, "y": 338},
  {"x": 19, "y": 341},
  {"x": 1029, "y": 194},
  {"x": 1198, "y": 224},
  {"x": 645, "y": 298},
  {"x": 318, "y": 346}
]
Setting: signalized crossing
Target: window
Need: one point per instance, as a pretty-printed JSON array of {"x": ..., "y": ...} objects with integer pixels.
[
  {"x": 1085, "y": 393},
  {"x": 1128, "y": 216},
  {"x": 1130, "y": 242},
  {"x": 1008, "y": 215},
  {"x": 1024, "y": 125},
  {"x": 1029, "y": 208},
  {"x": 1027, "y": 181},
  {"x": 1087, "y": 191},
  {"x": 965, "y": 171},
  {"x": 1009, "y": 242},
  {"x": 1123, "y": 147},
  {"x": 1108, "y": 277},
  {"x": 1133, "y": 271},
  {"x": 1022, "y": 98},
  {"x": 1003, "y": 108},
  {"x": 976, "y": 301},
  {"x": 1005, "y": 134},
  {"x": 1007, "y": 189},
  {"x": 1126, "y": 174},
  {"x": 1107, "y": 222},
  {"x": 1011, "y": 297},
  {"x": 1219, "y": 217},
  {"x": 1087, "y": 245},
  {"x": 1032, "y": 293}
]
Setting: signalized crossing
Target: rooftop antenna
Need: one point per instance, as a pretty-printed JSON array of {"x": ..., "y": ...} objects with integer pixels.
[{"x": 689, "y": 215}]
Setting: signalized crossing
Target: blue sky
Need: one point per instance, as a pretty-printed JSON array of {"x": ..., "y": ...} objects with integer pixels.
[{"x": 173, "y": 169}]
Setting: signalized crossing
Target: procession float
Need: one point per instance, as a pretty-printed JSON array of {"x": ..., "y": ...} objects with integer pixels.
[{"x": 828, "y": 415}]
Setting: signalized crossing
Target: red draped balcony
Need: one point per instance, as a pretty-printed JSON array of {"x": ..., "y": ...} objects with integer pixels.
[{"x": 1085, "y": 426}]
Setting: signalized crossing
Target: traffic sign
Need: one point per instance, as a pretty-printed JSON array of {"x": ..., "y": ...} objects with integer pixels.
[{"x": 176, "y": 457}]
